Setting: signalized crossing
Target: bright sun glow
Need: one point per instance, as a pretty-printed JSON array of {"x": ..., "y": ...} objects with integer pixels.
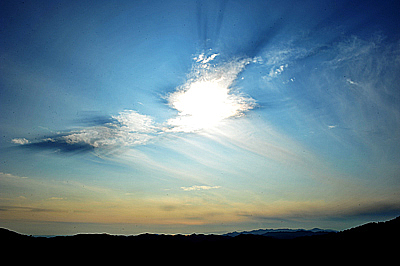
[
  {"x": 204, "y": 104},
  {"x": 207, "y": 97}
]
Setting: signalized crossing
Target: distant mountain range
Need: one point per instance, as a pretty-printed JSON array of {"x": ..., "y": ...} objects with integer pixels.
[{"x": 283, "y": 233}]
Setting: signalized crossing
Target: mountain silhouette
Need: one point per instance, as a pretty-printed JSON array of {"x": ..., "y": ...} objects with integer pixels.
[{"x": 371, "y": 238}]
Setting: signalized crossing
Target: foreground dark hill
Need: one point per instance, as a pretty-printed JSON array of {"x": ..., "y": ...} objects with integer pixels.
[{"x": 371, "y": 238}]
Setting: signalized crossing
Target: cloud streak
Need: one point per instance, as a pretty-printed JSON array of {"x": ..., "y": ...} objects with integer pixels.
[
  {"x": 193, "y": 188},
  {"x": 333, "y": 211},
  {"x": 127, "y": 129}
]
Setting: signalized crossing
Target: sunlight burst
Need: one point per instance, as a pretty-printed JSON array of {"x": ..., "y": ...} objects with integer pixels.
[
  {"x": 203, "y": 105},
  {"x": 207, "y": 99}
]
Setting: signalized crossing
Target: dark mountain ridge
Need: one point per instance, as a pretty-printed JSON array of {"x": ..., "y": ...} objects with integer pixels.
[{"x": 367, "y": 237}]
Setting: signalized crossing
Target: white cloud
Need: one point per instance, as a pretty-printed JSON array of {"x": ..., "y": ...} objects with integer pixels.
[
  {"x": 7, "y": 175},
  {"x": 128, "y": 128},
  {"x": 132, "y": 121},
  {"x": 351, "y": 82},
  {"x": 21, "y": 141},
  {"x": 199, "y": 188},
  {"x": 202, "y": 58}
]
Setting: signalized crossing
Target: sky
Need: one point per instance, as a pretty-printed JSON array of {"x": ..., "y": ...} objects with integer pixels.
[{"x": 170, "y": 117}]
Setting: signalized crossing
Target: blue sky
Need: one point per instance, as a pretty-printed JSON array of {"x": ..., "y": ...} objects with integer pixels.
[{"x": 198, "y": 116}]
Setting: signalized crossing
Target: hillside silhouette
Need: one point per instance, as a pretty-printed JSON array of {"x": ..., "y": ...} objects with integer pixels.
[{"x": 372, "y": 237}]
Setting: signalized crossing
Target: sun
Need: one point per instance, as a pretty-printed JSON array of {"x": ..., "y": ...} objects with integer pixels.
[
  {"x": 207, "y": 97},
  {"x": 203, "y": 104}
]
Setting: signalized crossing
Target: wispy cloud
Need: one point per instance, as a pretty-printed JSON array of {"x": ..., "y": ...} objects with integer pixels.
[
  {"x": 349, "y": 85},
  {"x": 7, "y": 175},
  {"x": 358, "y": 95},
  {"x": 55, "y": 198},
  {"x": 192, "y": 188},
  {"x": 6, "y": 208}
]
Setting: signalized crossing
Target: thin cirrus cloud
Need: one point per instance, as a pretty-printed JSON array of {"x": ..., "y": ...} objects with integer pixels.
[
  {"x": 202, "y": 102},
  {"x": 193, "y": 188}
]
